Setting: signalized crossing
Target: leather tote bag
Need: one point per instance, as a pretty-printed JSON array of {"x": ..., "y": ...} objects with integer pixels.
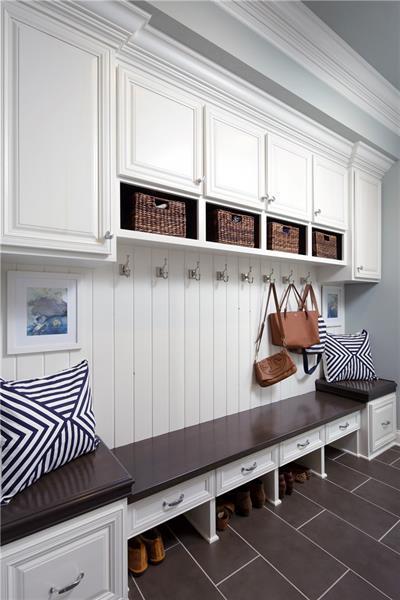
[
  {"x": 279, "y": 366},
  {"x": 299, "y": 327},
  {"x": 317, "y": 349}
]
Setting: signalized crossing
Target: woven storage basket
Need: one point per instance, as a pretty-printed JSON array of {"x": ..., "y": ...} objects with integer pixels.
[
  {"x": 284, "y": 238},
  {"x": 324, "y": 245},
  {"x": 232, "y": 228},
  {"x": 156, "y": 215}
]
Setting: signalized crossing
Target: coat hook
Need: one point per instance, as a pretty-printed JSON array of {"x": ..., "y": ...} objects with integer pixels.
[
  {"x": 269, "y": 278},
  {"x": 223, "y": 275},
  {"x": 163, "y": 271},
  {"x": 125, "y": 270},
  {"x": 247, "y": 276},
  {"x": 195, "y": 273},
  {"x": 307, "y": 279},
  {"x": 288, "y": 278}
]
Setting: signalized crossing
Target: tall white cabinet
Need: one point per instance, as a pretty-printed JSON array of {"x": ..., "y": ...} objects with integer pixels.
[
  {"x": 58, "y": 90},
  {"x": 367, "y": 226}
]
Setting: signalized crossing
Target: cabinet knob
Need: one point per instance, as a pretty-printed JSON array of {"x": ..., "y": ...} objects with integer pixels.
[
  {"x": 200, "y": 180},
  {"x": 266, "y": 197},
  {"x": 108, "y": 235},
  {"x": 360, "y": 268},
  {"x": 271, "y": 199},
  {"x": 317, "y": 212}
]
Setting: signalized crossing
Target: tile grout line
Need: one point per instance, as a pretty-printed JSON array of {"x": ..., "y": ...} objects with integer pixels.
[
  {"x": 137, "y": 587},
  {"x": 388, "y": 531},
  {"x": 239, "y": 569},
  {"x": 358, "y": 486},
  {"x": 374, "y": 478},
  {"x": 331, "y": 555},
  {"x": 268, "y": 562},
  {"x": 172, "y": 546},
  {"x": 333, "y": 584},
  {"x": 338, "y": 456},
  {"x": 394, "y": 461},
  {"x": 309, "y": 520}
]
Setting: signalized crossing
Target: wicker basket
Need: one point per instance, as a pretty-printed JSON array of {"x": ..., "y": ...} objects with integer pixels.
[
  {"x": 324, "y": 245},
  {"x": 232, "y": 228},
  {"x": 156, "y": 215},
  {"x": 284, "y": 238}
]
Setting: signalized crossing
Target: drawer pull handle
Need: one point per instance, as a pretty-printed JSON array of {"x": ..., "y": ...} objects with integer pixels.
[
  {"x": 301, "y": 446},
  {"x": 249, "y": 469},
  {"x": 385, "y": 423},
  {"x": 343, "y": 427},
  {"x": 174, "y": 502},
  {"x": 69, "y": 587}
]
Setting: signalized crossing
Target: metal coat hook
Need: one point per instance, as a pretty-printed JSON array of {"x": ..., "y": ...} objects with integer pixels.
[
  {"x": 288, "y": 278},
  {"x": 223, "y": 275},
  {"x": 163, "y": 271},
  {"x": 195, "y": 273},
  {"x": 248, "y": 276},
  {"x": 269, "y": 278},
  {"x": 125, "y": 270},
  {"x": 307, "y": 279}
]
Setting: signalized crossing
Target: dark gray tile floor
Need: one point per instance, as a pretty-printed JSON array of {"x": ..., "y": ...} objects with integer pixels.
[{"x": 331, "y": 540}]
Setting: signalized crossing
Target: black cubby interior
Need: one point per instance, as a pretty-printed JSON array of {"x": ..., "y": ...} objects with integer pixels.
[
  {"x": 339, "y": 243},
  {"x": 302, "y": 233},
  {"x": 127, "y": 200},
  {"x": 210, "y": 207}
]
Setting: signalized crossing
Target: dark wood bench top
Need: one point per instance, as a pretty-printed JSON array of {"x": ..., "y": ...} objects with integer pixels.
[
  {"x": 84, "y": 484},
  {"x": 163, "y": 461}
]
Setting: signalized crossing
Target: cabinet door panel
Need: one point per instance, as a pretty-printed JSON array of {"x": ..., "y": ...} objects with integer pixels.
[
  {"x": 367, "y": 226},
  {"x": 235, "y": 157},
  {"x": 160, "y": 134},
  {"x": 289, "y": 178},
  {"x": 330, "y": 193},
  {"x": 57, "y": 152}
]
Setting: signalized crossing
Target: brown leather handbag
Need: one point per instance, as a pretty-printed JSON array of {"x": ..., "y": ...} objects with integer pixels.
[
  {"x": 279, "y": 366},
  {"x": 299, "y": 327}
]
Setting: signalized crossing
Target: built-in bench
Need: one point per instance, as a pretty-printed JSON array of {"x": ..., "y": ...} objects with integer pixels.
[{"x": 186, "y": 470}]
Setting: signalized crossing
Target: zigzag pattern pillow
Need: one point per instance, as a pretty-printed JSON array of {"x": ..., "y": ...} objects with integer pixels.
[
  {"x": 348, "y": 357},
  {"x": 44, "y": 423}
]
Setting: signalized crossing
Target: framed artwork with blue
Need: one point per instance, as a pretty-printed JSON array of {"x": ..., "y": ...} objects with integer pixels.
[
  {"x": 42, "y": 312},
  {"x": 333, "y": 305}
]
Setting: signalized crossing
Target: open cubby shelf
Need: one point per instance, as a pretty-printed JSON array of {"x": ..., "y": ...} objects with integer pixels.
[
  {"x": 286, "y": 226},
  {"x": 210, "y": 223},
  {"x": 339, "y": 241}
]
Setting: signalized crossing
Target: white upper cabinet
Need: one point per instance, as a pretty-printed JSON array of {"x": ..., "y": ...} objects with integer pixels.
[
  {"x": 57, "y": 137},
  {"x": 160, "y": 133},
  {"x": 330, "y": 206},
  {"x": 367, "y": 226},
  {"x": 289, "y": 179},
  {"x": 234, "y": 159}
]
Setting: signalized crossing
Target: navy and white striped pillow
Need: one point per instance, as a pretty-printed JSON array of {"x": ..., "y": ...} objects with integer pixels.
[
  {"x": 348, "y": 357},
  {"x": 44, "y": 423}
]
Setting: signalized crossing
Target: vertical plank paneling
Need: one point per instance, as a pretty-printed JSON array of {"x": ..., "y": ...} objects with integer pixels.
[
  {"x": 176, "y": 340},
  {"x": 255, "y": 308},
  {"x": 220, "y": 350},
  {"x": 207, "y": 367},
  {"x": 86, "y": 309},
  {"x": 232, "y": 336},
  {"x": 192, "y": 338},
  {"x": 160, "y": 341},
  {"x": 245, "y": 367},
  {"x": 123, "y": 357},
  {"x": 8, "y": 369}
]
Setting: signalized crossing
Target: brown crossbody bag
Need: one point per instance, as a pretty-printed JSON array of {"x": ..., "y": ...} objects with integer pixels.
[{"x": 279, "y": 366}]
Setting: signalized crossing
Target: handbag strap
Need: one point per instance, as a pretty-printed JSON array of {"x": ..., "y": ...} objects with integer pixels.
[
  {"x": 285, "y": 298},
  {"x": 309, "y": 291},
  {"x": 272, "y": 289}
]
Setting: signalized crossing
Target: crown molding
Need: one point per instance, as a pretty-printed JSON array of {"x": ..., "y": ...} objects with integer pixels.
[
  {"x": 300, "y": 34},
  {"x": 370, "y": 160}
]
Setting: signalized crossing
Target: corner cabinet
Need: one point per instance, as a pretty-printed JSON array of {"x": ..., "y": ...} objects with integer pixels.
[
  {"x": 330, "y": 197},
  {"x": 367, "y": 226},
  {"x": 58, "y": 87}
]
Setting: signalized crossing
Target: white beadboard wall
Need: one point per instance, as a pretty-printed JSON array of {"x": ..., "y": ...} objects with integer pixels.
[{"x": 167, "y": 354}]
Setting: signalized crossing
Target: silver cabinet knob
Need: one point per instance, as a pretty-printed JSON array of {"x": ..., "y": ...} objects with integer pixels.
[
  {"x": 108, "y": 235},
  {"x": 200, "y": 180},
  {"x": 360, "y": 268},
  {"x": 385, "y": 423},
  {"x": 317, "y": 212},
  {"x": 266, "y": 197},
  {"x": 272, "y": 199}
]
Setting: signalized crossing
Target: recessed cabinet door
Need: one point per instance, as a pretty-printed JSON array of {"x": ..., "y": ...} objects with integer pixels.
[
  {"x": 57, "y": 148},
  {"x": 289, "y": 178},
  {"x": 234, "y": 159},
  {"x": 367, "y": 226},
  {"x": 330, "y": 193},
  {"x": 160, "y": 133}
]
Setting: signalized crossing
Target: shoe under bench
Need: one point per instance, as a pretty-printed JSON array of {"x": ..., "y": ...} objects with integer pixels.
[{"x": 186, "y": 470}]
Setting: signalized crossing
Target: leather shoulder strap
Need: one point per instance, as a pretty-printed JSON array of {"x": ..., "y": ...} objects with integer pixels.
[{"x": 272, "y": 289}]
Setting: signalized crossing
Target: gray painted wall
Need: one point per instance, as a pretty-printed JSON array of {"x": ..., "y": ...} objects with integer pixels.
[{"x": 376, "y": 307}]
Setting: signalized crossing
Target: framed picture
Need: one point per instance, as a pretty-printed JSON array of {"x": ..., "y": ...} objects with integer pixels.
[
  {"x": 333, "y": 305},
  {"x": 42, "y": 312}
]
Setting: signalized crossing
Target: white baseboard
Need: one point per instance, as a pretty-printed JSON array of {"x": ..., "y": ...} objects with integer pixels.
[{"x": 398, "y": 437}]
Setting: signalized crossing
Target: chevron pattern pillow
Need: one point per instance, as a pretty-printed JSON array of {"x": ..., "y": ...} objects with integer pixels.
[
  {"x": 44, "y": 423},
  {"x": 348, "y": 357}
]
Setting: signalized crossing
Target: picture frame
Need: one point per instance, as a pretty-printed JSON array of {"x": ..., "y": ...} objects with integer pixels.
[
  {"x": 42, "y": 312},
  {"x": 333, "y": 305}
]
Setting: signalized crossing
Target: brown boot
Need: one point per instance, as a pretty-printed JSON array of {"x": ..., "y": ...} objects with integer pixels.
[
  {"x": 243, "y": 502},
  {"x": 282, "y": 486},
  {"x": 289, "y": 480},
  {"x": 300, "y": 474},
  {"x": 257, "y": 493},
  {"x": 137, "y": 556},
  {"x": 223, "y": 516},
  {"x": 154, "y": 546}
]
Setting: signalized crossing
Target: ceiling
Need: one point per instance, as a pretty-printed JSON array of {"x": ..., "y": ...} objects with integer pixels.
[{"x": 371, "y": 28}]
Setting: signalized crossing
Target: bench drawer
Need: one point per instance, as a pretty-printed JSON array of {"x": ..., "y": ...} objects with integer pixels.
[
  {"x": 238, "y": 472},
  {"x": 342, "y": 427},
  {"x": 301, "y": 445},
  {"x": 169, "y": 503},
  {"x": 382, "y": 419}
]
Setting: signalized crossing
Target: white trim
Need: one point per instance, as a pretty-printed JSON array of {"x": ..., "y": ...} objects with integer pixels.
[{"x": 304, "y": 37}]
